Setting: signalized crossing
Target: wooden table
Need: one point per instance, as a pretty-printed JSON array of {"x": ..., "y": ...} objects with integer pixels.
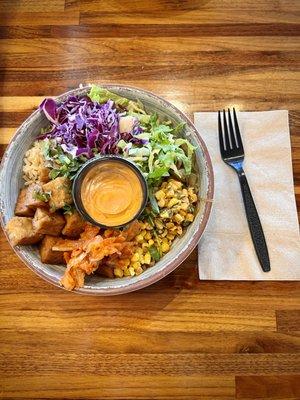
[{"x": 180, "y": 338}]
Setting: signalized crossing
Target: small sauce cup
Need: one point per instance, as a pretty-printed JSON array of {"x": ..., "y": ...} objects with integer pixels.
[{"x": 109, "y": 191}]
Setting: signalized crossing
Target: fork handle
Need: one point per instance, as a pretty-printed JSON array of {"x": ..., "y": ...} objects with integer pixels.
[{"x": 254, "y": 223}]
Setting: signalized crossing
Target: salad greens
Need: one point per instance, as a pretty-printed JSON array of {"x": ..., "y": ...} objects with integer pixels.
[{"x": 82, "y": 127}]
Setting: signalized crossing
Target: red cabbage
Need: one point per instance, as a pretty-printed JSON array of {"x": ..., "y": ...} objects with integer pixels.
[{"x": 84, "y": 127}]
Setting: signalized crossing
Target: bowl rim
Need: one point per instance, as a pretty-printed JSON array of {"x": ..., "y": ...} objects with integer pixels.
[
  {"x": 186, "y": 251},
  {"x": 80, "y": 175}
]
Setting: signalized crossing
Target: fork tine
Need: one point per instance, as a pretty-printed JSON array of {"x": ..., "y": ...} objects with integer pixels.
[
  {"x": 226, "y": 134},
  {"x": 221, "y": 141},
  {"x": 233, "y": 141},
  {"x": 237, "y": 131}
]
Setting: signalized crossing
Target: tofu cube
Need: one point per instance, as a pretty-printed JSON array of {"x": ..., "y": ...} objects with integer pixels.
[
  {"x": 22, "y": 209},
  {"x": 49, "y": 256},
  {"x": 44, "y": 175},
  {"x": 20, "y": 231},
  {"x": 32, "y": 200},
  {"x": 48, "y": 223},
  {"x": 60, "y": 192},
  {"x": 74, "y": 225}
]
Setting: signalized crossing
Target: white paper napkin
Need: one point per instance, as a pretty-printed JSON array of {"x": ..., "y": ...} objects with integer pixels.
[{"x": 226, "y": 251}]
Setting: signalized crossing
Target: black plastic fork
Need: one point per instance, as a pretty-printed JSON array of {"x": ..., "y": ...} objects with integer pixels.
[{"x": 232, "y": 152}]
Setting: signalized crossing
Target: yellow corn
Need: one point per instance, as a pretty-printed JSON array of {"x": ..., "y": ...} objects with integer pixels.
[
  {"x": 136, "y": 265},
  {"x": 169, "y": 225},
  {"x": 165, "y": 232},
  {"x": 170, "y": 236},
  {"x": 178, "y": 218},
  {"x": 126, "y": 272},
  {"x": 138, "y": 271},
  {"x": 147, "y": 258},
  {"x": 145, "y": 245},
  {"x": 170, "y": 193},
  {"x": 131, "y": 271},
  {"x": 139, "y": 238},
  {"x": 165, "y": 246},
  {"x": 143, "y": 232},
  {"x": 184, "y": 206},
  {"x": 161, "y": 203},
  {"x": 193, "y": 198},
  {"x": 164, "y": 214},
  {"x": 189, "y": 217},
  {"x": 159, "y": 224},
  {"x": 118, "y": 272},
  {"x": 160, "y": 194},
  {"x": 172, "y": 202},
  {"x": 150, "y": 242},
  {"x": 135, "y": 257},
  {"x": 179, "y": 230},
  {"x": 139, "y": 250},
  {"x": 126, "y": 262},
  {"x": 148, "y": 236}
]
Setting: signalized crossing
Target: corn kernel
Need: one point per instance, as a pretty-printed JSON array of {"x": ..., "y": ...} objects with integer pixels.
[
  {"x": 147, "y": 236},
  {"x": 161, "y": 203},
  {"x": 135, "y": 257},
  {"x": 184, "y": 206},
  {"x": 193, "y": 198},
  {"x": 170, "y": 236},
  {"x": 165, "y": 232},
  {"x": 139, "y": 270},
  {"x": 126, "y": 262},
  {"x": 179, "y": 230},
  {"x": 164, "y": 214},
  {"x": 139, "y": 238},
  {"x": 131, "y": 271},
  {"x": 143, "y": 232},
  {"x": 147, "y": 258},
  {"x": 165, "y": 247},
  {"x": 139, "y": 250},
  {"x": 172, "y": 202},
  {"x": 126, "y": 272},
  {"x": 170, "y": 193},
  {"x": 189, "y": 217},
  {"x": 150, "y": 242},
  {"x": 182, "y": 213},
  {"x": 118, "y": 272},
  {"x": 160, "y": 194},
  {"x": 159, "y": 224},
  {"x": 178, "y": 218},
  {"x": 169, "y": 225},
  {"x": 136, "y": 265},
  {"x": 145, "y": 245},
  {"x": 141, "y": 259}
]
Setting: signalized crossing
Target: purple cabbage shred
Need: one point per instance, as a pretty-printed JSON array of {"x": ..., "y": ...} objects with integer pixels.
[{"x": 84, "y": 127}]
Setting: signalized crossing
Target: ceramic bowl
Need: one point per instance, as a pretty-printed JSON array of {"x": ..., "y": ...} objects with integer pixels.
[{"x": 11, "y": 182}]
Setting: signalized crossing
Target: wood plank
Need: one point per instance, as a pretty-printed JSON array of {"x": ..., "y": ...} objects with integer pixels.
[
  {"x": 32, "y": 5},
  {"x": 166, "y": 46},
  {"x": 195, "y": 16},
  {"x": 150, "y": 30},
  {"x": 19, "y": 103},
  {"x": 288, "y": 320},
  {"x": 268, "y": 387},
  {"x": 77, "y": 386},
  {"x": 39, "y": 18},
  {"x": 179, "y": 364},
  {"x": 134, "y": 341},
  {"x": 174, "y": 5}
]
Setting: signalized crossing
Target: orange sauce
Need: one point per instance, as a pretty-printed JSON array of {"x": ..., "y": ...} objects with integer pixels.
[{"x": 111, "y": 193}]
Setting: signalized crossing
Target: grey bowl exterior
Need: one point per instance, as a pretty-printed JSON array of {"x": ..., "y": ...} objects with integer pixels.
[{"x": 11, "y": 181}]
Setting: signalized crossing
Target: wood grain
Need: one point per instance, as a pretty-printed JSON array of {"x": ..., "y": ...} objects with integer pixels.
[{"x": 181, "y": 338}]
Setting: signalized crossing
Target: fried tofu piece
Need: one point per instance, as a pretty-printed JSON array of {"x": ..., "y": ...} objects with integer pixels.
[
  {"x": 49, "y": 256},
  {"x": 60, "y": 192},
  {"x": 74, "y": 225},
  {"x": 21, "y": 231},
  {"x": 48, "y": 223},
  {"x": 22, "y": 209},
  {"x": 44, "y": 175},
  {"x": 32, "y": 199}
]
